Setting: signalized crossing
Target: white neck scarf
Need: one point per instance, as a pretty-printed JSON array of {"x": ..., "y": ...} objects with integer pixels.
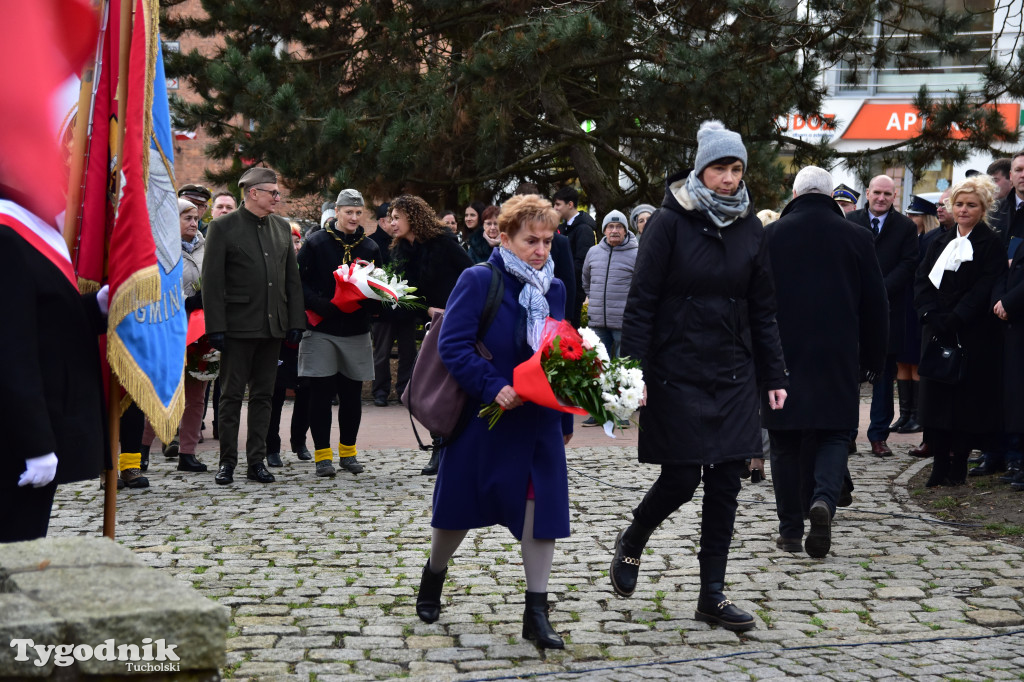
[{"x": 957, "y": 251}]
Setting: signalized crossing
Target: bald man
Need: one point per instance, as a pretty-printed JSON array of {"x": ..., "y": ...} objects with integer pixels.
[{"x": 895, "y": 239}]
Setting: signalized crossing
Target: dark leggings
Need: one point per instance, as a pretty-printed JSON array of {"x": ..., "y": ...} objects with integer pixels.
[
  {"x": 675, "y": 487},
  {"x": 350, "y": 408},
  {"x": 133, "y": 422}
]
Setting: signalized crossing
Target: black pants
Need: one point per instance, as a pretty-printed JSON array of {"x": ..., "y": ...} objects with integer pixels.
[
  {"x": 215, "y": 387},
  {"x": 806, "y": 466},
  {"x": 251, "y": 362},
  {"x": 350, "y": 409},
  {"x": 133, "y": 422},
  {"x": 385, "y": 334},
  {"x": 675, "y": 487},
  {"x": 300, "y": 417},
  {"x": 25, "y": 510}
]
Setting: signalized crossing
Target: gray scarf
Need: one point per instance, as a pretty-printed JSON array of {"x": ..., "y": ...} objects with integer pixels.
[
  {"x": 536, "y": 285},
  {"x": 190, "y": 246},
  {"x": 721, "y": 210}
]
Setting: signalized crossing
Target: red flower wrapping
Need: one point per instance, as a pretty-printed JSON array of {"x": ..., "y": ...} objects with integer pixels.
[
  {"x": 196, "y": 327},
  {"x": 529, "y": 379},
  {"x": 347, "y": 296}
]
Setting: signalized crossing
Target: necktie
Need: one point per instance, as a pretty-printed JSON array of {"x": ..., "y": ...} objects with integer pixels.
[{"x": 874, "y": 226}]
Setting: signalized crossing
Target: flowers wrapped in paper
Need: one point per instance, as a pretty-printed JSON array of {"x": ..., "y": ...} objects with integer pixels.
[
  {"x": 361, "y": 281},
  {"x": 571, "y": 372},
  {"x": 202, "y": 361}
]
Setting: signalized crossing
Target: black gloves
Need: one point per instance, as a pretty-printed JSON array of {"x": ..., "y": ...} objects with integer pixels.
[
  {"x": 293, "y": 337},
  {"x": 193, "y": 302},
  {"x": 217, "y": 340}
]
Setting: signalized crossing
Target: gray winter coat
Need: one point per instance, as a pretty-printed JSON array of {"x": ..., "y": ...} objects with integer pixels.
[{"x": 607, "y": 274}]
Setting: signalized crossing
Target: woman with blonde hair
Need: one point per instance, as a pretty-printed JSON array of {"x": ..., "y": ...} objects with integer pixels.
[
  {"x": 952, "y": 296},
  {"x": 513, "y": 475}
]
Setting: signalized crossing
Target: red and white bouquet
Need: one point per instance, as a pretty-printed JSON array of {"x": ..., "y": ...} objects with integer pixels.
[
  {"x": 360, "y": 281},
  {"x": 202, "y": 361},
  {"x": 571, "y": 372}
]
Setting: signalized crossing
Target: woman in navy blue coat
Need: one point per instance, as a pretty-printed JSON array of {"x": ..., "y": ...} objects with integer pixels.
[{"x": 514, "y": 474}]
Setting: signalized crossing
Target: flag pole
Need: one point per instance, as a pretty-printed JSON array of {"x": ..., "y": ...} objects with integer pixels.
[{"x": 114, "y": 399}]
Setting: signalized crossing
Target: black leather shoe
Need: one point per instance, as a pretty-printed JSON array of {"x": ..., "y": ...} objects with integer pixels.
[
  {"x": 819, "y": 537},
  {"x": 225, "y": 475},
  {"x": 986, "y": 468},
  {"x": 303, "y": 453},
  {"x": 187, "y": 462},
  {"x": 144, "y": 459},
  {"x": 910, "y": 427},
  {"x": 274, "y": 459},
  {"x": 536, "y": 626},
  {"x": 258, "y": 472},
  {"x": 714, "y": 607},
  {"x": 625, "y": 568},
  {"x": 845, "y": 496},
  {"x": 380, "y": 401},
  {"x": 977, "y": 459},
  {"x": 789, "y": 544},
  {"x": 1012, "y": 475},
  {"x": 432, "y": 465}
]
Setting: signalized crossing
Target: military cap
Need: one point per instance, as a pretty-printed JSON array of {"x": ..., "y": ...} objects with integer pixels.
[
  {"x": 257, "y": 176},
  {"x": 921, "y": 206},
  {"x": 349, "y": 197},
  {"x": 844, "y": 193},
  {"x": 195, "y": 192}
]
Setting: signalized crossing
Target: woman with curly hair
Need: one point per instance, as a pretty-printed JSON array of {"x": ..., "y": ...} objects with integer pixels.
[{"x": 430, "y": 258}]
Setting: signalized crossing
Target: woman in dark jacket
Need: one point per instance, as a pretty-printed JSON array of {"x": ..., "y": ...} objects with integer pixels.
[
  {"x": 700, "y": 317},
  {"x": 514, "y": 474},
  {"x": 953, "y": 297},
  {"x": 473, "y": 236},
  {"x": 430, "y": 258},
  {"x": 335, "y": 353}
]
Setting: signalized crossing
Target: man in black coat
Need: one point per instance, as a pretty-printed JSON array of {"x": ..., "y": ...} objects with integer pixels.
[
  {"x": 833, "y": 322},
  {"x": 1008, "y": 218},
  {"x": 581, "y": 230},
  {"x": 895, "y": 238},
  {"x": 1009, "y": 307}
]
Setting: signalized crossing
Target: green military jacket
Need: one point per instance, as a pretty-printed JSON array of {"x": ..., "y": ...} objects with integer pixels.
[{"x": 251, "y": 287}]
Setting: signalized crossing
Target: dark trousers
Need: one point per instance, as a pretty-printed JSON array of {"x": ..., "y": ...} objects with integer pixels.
[
  {"x": 385, "y": 334},
  {"x": 251, "y": 362},
  {"x": 350, "y": 409},
  {"x": 675, "y": 487},
  {"x": 882, "y": 409},
  {"x": 25, "y": 510},
  {"x": 132, "y": 425},
  {"x": 300, "y": 417},
  {"x": 213, "y": 386},
  {"x": 806, "y": 466}
]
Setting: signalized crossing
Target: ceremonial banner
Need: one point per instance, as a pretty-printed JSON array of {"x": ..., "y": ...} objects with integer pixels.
[{"x": 147, "y": 323}]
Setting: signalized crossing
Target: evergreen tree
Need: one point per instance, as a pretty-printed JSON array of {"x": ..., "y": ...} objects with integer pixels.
[{"x": 461, "y": 99}]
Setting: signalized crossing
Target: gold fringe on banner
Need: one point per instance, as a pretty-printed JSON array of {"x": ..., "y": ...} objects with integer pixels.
[
  {"x": 141, "y": 289},
  {"x": 87, "y": 286}
]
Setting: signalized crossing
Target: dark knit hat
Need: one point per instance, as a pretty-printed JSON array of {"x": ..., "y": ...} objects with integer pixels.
[
  {"x": 715, "y": 141},
  {"x": 257, "y": 176}
]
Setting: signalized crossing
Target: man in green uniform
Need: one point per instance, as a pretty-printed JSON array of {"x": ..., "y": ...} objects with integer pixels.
[{"x": 252, "y": 298}]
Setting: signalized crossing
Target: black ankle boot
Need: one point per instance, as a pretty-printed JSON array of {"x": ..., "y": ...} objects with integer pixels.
[
  {"x": 428, "y": 599},
  {"x": 432, "y": 465},
  {"x": 958, "y": 468},
  {"x": 903, "y": 390},
  {"x": 712, "y": 604},
  {"x": 629, "y": 545},
  {"x": 187, "y": 462},
  {"x": 536, "y": 626},
  {"x": 940, "y": 470},
  {"x": 144, "y": 461}
]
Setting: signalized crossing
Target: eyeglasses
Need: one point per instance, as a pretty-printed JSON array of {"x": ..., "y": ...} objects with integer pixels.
[{"x": 274, "y": 193}]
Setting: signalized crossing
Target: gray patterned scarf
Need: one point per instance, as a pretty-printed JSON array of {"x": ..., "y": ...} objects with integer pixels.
[
  {"x": 536, "y": 285},
  {"x": 721, "y": 210}
]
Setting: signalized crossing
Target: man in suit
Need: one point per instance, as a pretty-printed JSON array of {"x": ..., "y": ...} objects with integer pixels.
[
  {"x": 1008, "y": 219},
  {"x": 833, "y": 320},
  {"x": 895, "y": 239},
  {"x": 581, "y": 230},
  {"x": 253, "y": 299}
]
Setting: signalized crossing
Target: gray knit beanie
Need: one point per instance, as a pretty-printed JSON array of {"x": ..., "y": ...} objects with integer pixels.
[
  {"x": 615, "y": 217},
  {"x": 350, "y": 197},
  {"x": 635, "y": 213},
  {"x": 715, "y": 141}
]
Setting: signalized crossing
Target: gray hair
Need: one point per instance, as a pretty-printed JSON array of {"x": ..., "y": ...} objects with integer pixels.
[{"x": 812, "y": 179}]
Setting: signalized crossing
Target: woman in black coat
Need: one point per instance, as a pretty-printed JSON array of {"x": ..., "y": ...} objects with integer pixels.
[
  {"x": 430, "y": 258},
  {"x": 700, "y": 317},
  {"x": 952, "y": 295}
]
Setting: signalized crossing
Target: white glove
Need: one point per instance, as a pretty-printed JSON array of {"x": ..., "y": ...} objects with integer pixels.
[
  {"x": 39, "y": 471},
  {"x": 103, "y": 299}
]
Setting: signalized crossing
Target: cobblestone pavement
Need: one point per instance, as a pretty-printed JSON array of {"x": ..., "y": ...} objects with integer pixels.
[{"x": 321, "y": 575}]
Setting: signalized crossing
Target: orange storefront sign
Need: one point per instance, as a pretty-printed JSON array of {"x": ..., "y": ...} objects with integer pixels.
[{"x": 901, "y": 121}]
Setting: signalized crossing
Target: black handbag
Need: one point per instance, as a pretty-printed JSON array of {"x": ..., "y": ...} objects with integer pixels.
[{"x": 942, "y": 361}]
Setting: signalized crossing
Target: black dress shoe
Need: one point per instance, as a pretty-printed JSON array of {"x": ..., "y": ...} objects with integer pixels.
[
  {"x": 187, "y": 462},
  {"x": 303, "y": 453},
  {"x": 986, "y": 468},
  {"x": 910, "y": 427},
  {"x": 274, "y": 459},
  {"x": 258, "y": 472},
  {"x": 1012, "y": 475},
  {"x": 380, "y": 401},
  {"x": 225, "y": 475}
]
